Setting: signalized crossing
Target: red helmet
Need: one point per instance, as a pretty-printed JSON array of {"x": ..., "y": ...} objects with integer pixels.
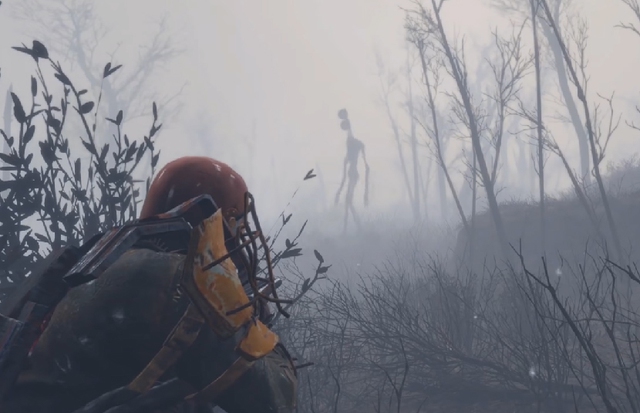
[
  {"x": 186, "y": 178},
  {"x": 190, "y": 176}
]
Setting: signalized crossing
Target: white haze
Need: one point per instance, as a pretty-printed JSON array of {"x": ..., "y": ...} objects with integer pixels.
[{"x": 288, "y": 66}]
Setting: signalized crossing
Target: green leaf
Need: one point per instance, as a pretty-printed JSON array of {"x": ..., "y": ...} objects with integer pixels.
[
  {"x": 32, "y": 244},
  {"x": 154, "y": 130},
  {"x": 107, "y": 67},
  {"x": 39, "y": 50},
  {"x": 148, "y": 142},
  {"x": 76, "y": 170},
  {"x": 105, "y": 151},
  {"x": 131, "y": 151},
  {"x": 54, "y": 123},
  {"x": 295, "y": 252},
  {"x": 18, "y": 110},
  {"x": 86, "y": 108},
  {"x": 28, "y": 135},
  {"x": 34, "y": 114},
  {"x": 89, "y": 147},
  {"x": 108, "y": 70},
  {"x": 48, "y": 153},
  {"x": 63, "y": 79},
  {"x": 24, "y": 49},
  {"x": 323, "y": 270},
  {"x": 302, "y": 229},
  {"x": 10, "y": 159},
  {"x": 140, "y": 153}
]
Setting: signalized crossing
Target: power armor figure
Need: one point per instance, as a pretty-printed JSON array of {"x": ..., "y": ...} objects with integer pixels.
[{"x": 167, "y": 314}]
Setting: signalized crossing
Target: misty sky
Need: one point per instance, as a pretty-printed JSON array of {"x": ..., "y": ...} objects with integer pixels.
[{"x": 288, "y": 66}]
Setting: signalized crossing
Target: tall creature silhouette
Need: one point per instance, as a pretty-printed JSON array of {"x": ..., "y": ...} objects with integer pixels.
[{"x": 350, "y": 175}]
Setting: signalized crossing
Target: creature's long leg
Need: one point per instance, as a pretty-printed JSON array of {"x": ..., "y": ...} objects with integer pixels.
[
  {"x": 344, "y": 178},
  {"x": 346, "y": 216},
  {"x": 355, "y": 217},
  {"x": 351, "y": 186}
]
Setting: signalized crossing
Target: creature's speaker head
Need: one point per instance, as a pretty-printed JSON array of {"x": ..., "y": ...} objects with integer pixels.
[{"x": 345, "y": 124}]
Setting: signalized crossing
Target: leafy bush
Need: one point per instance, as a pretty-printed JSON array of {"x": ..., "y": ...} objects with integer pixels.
[
  {"x": 53, "y": 194},
  {"x": 64, "y": 196}
]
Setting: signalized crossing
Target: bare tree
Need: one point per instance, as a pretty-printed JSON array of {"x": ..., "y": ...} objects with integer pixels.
[
  {"x": 431, "y": 70},
  {"x": 559, "y": 10},
  {"x": 603, "y": 321},
  {"x": 76, "y": 32},
  {"x": 388, "y": 84},
  {"x": 634, "y": 7},
  {"x": 597, "y": 141},
  {"x": 413, "y": 139},
  {"x": 508, "y": 71},
  {"x": 432, "y": 23},
  {"x": 539, "y": 127}
]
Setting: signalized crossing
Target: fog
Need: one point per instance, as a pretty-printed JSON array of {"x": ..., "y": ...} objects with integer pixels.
[
  {"x": 277, "y": 72},
  {"x": 258, "y": 84}
]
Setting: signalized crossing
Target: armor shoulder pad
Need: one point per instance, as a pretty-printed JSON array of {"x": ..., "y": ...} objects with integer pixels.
[{"x": 119, "y": 240}]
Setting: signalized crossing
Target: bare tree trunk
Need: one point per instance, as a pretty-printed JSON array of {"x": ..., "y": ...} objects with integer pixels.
[
  {"x": 570, "y": 103},
  {"x": 415, "y": 197},
  {"x": 590, "y": 133},
  {"x": 536, "y": 53},
  {"x": 474, "y": 204},
  {"x": 426, "y": 185},
  {"x": 396, "y": 132},
  {"x": 443, "y": 195},
  {"x": 437, "y": 141},
  {"x": 442, "y": 189},
  {"x": 459, "y": 77},
  {"x": 527, "y": 154},
  {"x": 403, "y": 163}
]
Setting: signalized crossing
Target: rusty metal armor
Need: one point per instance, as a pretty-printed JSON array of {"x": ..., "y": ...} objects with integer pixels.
[
  {"x": 103, "y": 333},
  {"x": 144, "y": 315}
]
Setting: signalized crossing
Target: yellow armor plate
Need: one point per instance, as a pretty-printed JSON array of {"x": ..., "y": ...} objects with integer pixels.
[
  {"x": 258, "y": 342},
  {"x": 217, "y": 292}
]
